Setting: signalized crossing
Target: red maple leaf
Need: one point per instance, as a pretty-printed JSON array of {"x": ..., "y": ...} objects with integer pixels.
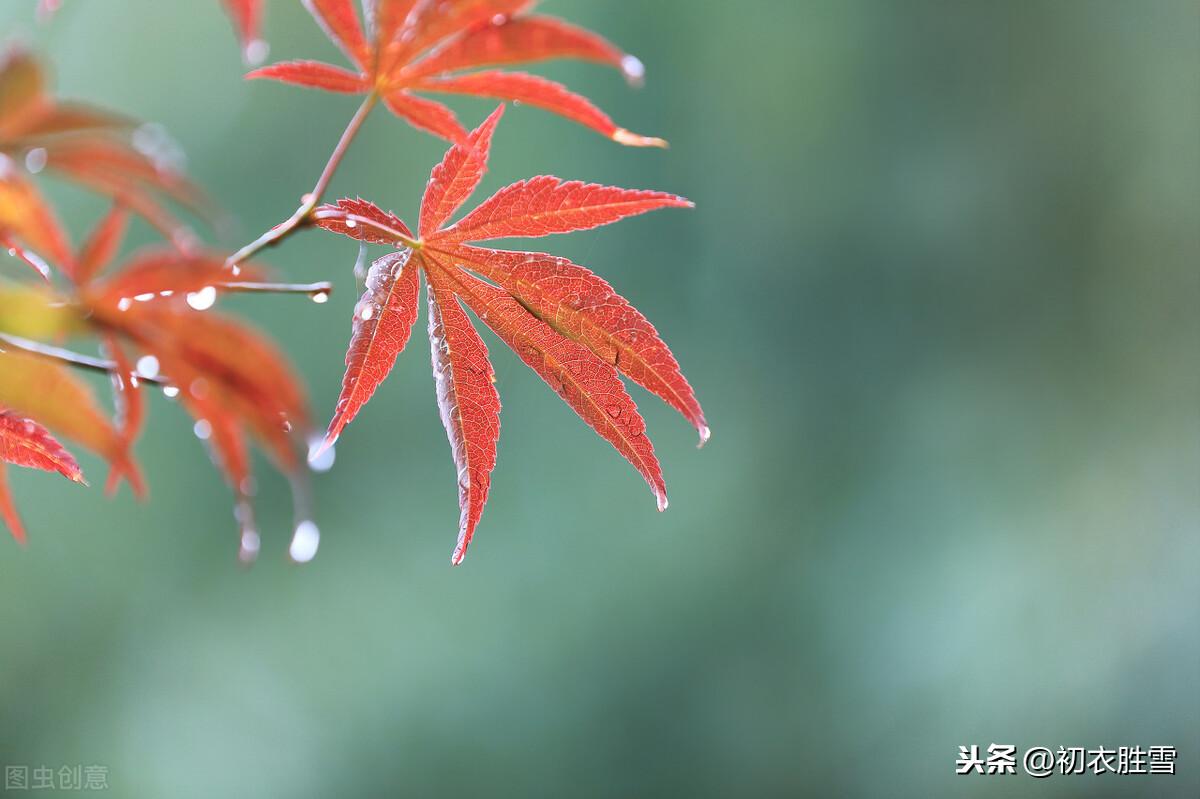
[
  {"x": 412, "y": 46},
  {"x": 563, "y": 321},
  {"x": 24, "y": 442}
]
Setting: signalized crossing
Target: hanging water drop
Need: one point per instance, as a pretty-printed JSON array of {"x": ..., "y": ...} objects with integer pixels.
[
  {"x": 305, "y": 541},
  {"x": 633, "y": 69},
  {"x": 203, "y": 299},
  {"x": 320, "y": 457}
]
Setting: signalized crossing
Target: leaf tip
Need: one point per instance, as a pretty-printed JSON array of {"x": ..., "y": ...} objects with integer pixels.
[
  {"x": 661, "y": 495},
  {"x": 18, "y": 533},
  {"x": 630, "y": 139},
  {"x": 705, "y": 434},
  {"x": 317, "y": 453}
]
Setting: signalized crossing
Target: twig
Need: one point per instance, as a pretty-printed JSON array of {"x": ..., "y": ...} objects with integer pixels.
[
  {"x": 315, "y": 290},
  {"x": 71, "y": 358},
  {"x": 310, "y": 200}
]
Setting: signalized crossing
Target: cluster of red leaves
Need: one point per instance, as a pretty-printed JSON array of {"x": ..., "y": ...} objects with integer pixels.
[
  {"x": 563, "y": 321},
  {"x": 153, "y": 311},
  {"x": 153, "y": 319},
  {"x": 410, "y": 46},
  {"x": 85, "y": 145}
]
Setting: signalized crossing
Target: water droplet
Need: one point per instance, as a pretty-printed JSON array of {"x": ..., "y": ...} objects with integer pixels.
[
  {"x": 366, "y": 312},
  {"x": 320, "y": 457},
  {"x": 203, "y": 299},
  {"x": 256, "y": 52},
  {"x": 249, "y": 545},
  {"x": 320, "y": 297},
  {"x": 35, "y": 160},
  {"x": 350, "y": 223},
  {"x": 202, "y": 429},
  {"x": 305, "y": 541},
  {"x": 171, "y": 391},
  {"x": 634, "y": 70},
  {"x": 146, "y": 297},
  {"x": 147, "y": 366}
]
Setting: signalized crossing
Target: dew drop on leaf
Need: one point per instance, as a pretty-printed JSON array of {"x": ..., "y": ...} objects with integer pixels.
[
  {"x": 35, "y": 160},
  {"x": 147, "y": 366},
  {"x": 203, "y": 299}
]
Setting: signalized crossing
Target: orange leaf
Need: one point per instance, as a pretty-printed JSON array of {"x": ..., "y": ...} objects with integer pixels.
[
  {"x": 412, "y": 42},
  {"x": 583, "y": 306},
  {"x": 25, "y": 216},
  {"x": 467, "y": 401},
  {"x": 542, "y": 93},
  {"x": 586, "y": 383},
  {"x": 523, "y": 39},
  {"x": 314, "y": 75},
  {"x": 47, "y": 392},
  {"x": 24, "y": 442},
  {"x": 545, "y": 205},
  {"x": 383, "y": 321}
]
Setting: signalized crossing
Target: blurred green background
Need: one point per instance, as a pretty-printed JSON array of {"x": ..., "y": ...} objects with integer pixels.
[{"x": 939, "y": 298}]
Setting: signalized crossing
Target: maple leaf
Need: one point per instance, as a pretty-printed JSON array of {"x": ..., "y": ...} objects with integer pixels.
[
  {"x": 411, "y": 46},
  {"x": 564, "y": 322},
  {"x": 86, "y": 145},
  {"x": 24, "y": 442},
  {"x": 48, "y": 393}
]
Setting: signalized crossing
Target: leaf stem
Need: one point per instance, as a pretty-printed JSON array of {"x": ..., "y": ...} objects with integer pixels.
[
  {"x": 70, "y": 358},
  {"x": 301, "y": 215}
]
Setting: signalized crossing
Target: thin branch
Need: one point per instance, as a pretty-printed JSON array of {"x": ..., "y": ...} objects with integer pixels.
[
  {"x": 314, "y": 290},
  {"x": 310, "y": 200},
  {"x": 71, "y": 358}
]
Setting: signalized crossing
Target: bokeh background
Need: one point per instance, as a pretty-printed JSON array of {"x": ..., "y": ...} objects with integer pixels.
[{"x": 939, "y": 298}]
